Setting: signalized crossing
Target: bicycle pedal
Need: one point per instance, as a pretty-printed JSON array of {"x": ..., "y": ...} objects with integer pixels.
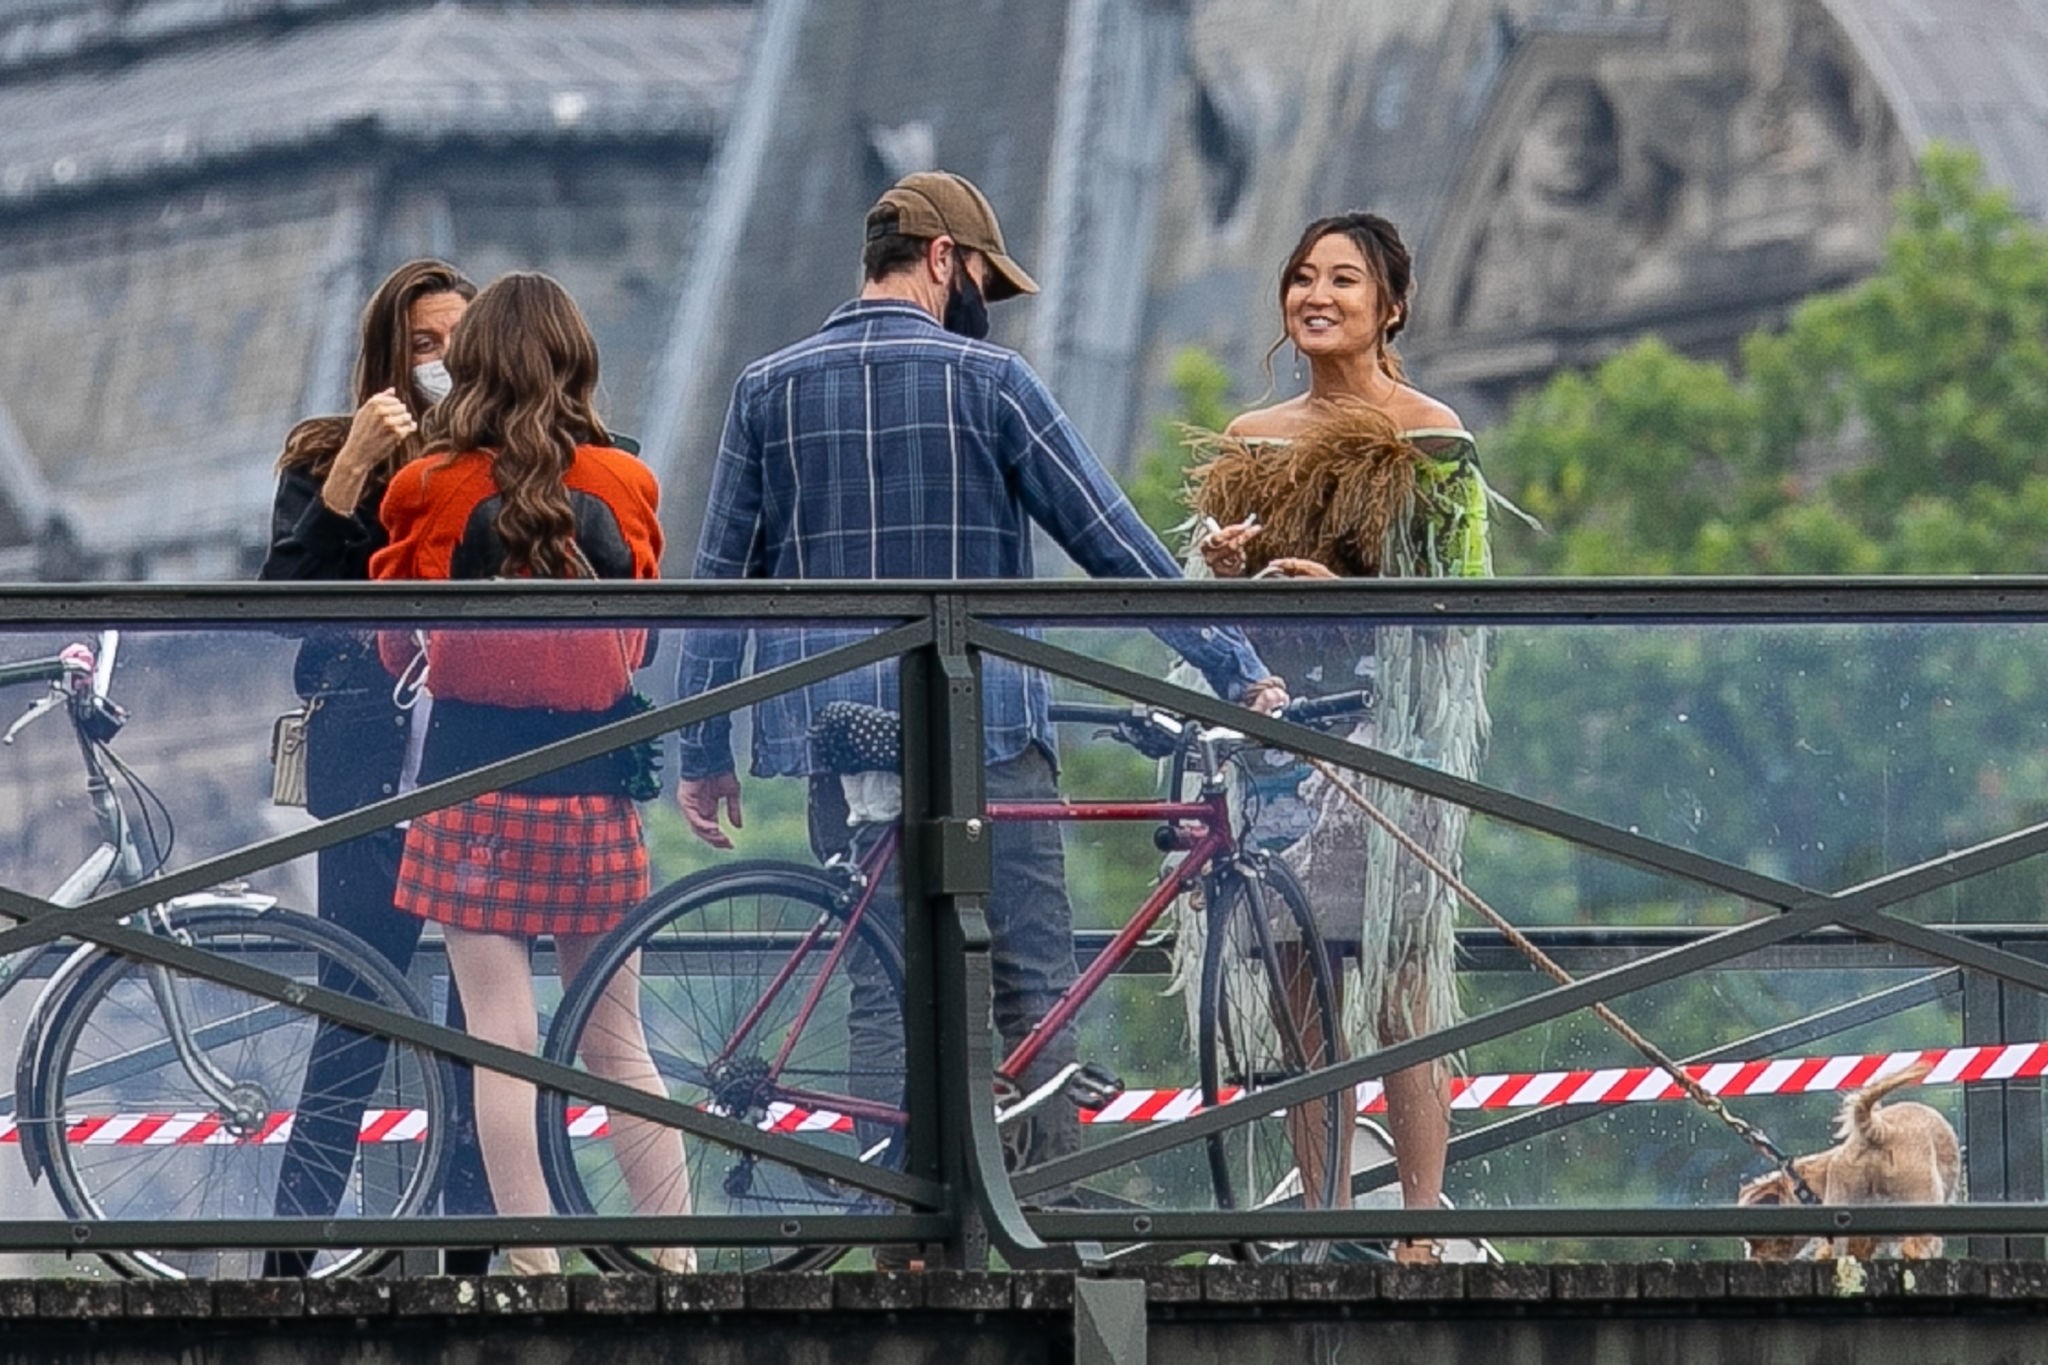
[
  {"x": 739, "y": 1178},
  {"x": 1093, "y": 1086}
]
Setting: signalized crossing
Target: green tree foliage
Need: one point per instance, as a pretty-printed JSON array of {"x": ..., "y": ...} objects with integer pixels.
[
  {"x": 1896, "y": 426},
  {"x": 1892, "y": 427},
  {"x": 1201, "y": 388}
]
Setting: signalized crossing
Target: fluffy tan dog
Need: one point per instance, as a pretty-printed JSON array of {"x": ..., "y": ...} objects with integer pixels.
[{"x": 1902, "y": 1153}]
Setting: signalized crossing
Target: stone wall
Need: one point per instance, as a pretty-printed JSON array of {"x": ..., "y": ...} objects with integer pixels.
[
  {"x": 1967, "y": 1313},
  {"x": 188, "y": 231},
  {"x": 1695, "y": 180}
]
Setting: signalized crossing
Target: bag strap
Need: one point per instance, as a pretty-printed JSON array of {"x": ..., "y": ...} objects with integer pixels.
[
  {"x": 412, "y": 684},
  {"x": 589, "y": 570}
]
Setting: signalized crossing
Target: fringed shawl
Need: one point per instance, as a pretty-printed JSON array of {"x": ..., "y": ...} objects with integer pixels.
[
  {"x": 1366, "y": 499},
  {"x": 1353, "y": 492}
]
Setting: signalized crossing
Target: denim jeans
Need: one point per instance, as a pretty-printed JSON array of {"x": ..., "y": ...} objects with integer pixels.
[{"x": 1031, "y": 931}]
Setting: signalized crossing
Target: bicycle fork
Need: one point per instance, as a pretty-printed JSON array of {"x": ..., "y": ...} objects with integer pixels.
[{"x": 244, "y": 1105}]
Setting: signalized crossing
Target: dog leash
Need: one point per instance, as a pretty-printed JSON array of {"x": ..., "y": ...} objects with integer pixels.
[{"x": 1712, "y": 1103}]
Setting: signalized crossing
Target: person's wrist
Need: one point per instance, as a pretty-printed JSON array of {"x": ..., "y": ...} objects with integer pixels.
[
  {"x": 699, "y": 768},
  {"x": 341, "y": 491}
]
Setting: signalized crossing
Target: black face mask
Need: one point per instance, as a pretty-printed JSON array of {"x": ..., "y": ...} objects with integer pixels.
[{"x": 966, "y": 310}]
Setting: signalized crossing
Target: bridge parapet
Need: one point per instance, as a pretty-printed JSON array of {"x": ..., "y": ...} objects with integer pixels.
[
  {"x": 1963, "y": 1311},
  {"x": 1691, "y": 907}
]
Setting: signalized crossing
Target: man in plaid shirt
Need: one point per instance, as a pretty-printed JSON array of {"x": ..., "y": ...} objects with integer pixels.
[{"x": 896, "y": 443}]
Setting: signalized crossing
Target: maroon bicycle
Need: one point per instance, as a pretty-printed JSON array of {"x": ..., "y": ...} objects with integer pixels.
[{"x": 757, "y": 977}]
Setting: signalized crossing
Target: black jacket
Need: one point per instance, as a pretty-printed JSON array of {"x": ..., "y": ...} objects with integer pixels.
[{"x": 355, "y": 742}]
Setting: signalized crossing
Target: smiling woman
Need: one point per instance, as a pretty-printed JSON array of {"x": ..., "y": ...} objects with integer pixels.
[{"x": 1363, "y": 475}]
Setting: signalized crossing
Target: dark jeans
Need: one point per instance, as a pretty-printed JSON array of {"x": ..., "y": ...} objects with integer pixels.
[
  {"x": 1031, "y": 928},
  {"x": 357, "y": 882}
]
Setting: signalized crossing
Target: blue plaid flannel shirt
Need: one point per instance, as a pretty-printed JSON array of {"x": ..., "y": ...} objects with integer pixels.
[{"x": 885, "y": 446}]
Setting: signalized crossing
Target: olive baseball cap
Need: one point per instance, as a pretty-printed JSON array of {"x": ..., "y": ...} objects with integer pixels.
[{"x": 941, "y": 204}]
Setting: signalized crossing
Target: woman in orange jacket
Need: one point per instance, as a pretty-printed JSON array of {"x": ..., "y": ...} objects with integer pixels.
[{"x": 520, "y": 479}]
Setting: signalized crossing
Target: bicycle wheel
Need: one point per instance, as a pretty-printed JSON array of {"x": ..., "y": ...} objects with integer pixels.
[
  {"x": 140, "y": 1138},
  {"x": 746, "y": 1015},
  {"x": 1269, "y": 1015}
]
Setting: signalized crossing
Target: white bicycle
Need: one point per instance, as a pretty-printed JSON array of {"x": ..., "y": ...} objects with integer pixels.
[{"x": 145, "y": 1094}]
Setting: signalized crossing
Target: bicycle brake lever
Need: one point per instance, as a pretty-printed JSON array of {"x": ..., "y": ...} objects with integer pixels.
[{"x": 49, "y": 702}]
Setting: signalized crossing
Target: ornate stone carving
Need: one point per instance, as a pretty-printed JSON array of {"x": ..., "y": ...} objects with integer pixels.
[
  {"x": 1730, "y": 161},
  {"x": 1560, "y": 229}
]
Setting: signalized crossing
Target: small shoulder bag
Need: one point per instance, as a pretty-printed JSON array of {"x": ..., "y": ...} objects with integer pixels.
[{"x": 288, "y": 755}]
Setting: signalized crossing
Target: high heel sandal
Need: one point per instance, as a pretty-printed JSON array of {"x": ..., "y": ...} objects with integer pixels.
[
  {"x": 533, "y": 1261},
  {"x": 1418, "y": 1251},
  {"x": 675, "y": 1261}
]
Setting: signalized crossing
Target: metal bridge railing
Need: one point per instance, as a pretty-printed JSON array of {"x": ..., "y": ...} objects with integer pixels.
[{"x": 953, "y": 1192}]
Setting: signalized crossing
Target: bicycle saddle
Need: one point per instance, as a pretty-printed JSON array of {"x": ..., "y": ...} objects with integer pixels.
[{"x": 849, "y": 737}]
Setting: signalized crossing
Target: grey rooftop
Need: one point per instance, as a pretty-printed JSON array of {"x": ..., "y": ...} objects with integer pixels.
[{"x": 446, "y": 72}]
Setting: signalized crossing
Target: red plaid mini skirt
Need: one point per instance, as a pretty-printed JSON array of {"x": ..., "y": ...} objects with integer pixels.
[{"x": 507, "y": 863}]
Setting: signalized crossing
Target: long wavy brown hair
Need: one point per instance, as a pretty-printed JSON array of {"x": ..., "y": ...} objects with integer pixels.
[
  {"x": 525, "y": 367},
  {"x": 383, "y": 361},
  {"x": 1386, "y": 258}
]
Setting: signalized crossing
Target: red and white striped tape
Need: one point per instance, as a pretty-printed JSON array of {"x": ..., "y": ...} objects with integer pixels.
[
  {"x": 1642, "y": 1084},
  {"x": 210, "y": 1130},
  {"x": 1512, "y": 1090}
]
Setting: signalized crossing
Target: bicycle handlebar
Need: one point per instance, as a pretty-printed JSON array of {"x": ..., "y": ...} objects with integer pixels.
[
  {"x": 1158, "y": 733},
  {"x": 35, "y": 671},
  {"x": 1308, "y": 709},
  {"x": 1302, "y": 711},
  {"x": 79, "y": 661}
]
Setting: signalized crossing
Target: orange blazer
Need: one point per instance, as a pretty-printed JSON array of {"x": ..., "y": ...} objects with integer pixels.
[{"x": 441, "y": 514}]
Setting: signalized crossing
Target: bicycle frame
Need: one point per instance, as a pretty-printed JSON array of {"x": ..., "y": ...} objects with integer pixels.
[
  {"x": 872, "y": 868},
  {"x": 116, "y": 858},
  {"x": 81, "y": 681},
  {"x": 1200, "y": 829}
]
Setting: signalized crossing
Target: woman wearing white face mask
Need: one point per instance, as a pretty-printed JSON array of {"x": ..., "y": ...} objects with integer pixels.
[
  {"x": 334, "y": 469},
  {"x": 324, "y": 527}
]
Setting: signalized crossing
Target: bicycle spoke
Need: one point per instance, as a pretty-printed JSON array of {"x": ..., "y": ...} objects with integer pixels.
[
  {"x": 1265, "y": 981},
  {"x": 750, "y": 1005},
  {"x": 106, "y": 1055}
]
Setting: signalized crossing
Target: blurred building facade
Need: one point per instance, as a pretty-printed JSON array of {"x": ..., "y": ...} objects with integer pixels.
[
  {"x": 195, "y": 199},
  {"x": 195, "y": 196}
]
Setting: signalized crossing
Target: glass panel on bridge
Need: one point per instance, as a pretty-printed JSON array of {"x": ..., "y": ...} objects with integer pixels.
[
  {"x": 759, "y": 983},
  {"x": 1748, "y": 762},
  {"x": 766, "y": 980},
  {"x": 1824, "y": 754}
]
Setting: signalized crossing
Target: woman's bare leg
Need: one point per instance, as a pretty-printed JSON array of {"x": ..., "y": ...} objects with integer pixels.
[
  {"x": 614, "y": 1046},
  {"x": 494, "y": 974},
  {"x": 1420, "y": 1121},
  {"x": 1418, "y": 1117}
]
